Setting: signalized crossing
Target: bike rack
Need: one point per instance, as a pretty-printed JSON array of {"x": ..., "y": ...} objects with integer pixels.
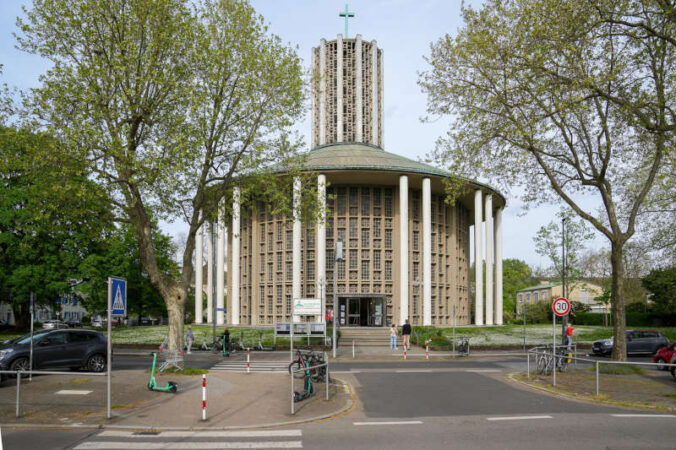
[{"x": 309, "y": 369}]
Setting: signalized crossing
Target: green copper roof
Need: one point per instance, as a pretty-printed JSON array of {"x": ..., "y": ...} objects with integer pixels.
[{"x": 365, "y": 157}]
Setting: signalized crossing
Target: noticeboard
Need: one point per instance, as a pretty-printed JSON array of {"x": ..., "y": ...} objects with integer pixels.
[{"x": 307, "y": 307}]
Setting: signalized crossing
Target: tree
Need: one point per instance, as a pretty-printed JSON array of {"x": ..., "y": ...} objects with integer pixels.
[
  {"x": 516, "y": 275},
  {"x": 517, "y": 79},
  {"x": 51, "y": 216},
  {"x": 118, "y": 255},
  {"x": 549, "y": 239},
  {"x": 661, "y": 283},
  {"x": 172, "y": 108}
]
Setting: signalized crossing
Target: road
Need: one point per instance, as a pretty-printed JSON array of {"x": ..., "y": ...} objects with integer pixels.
[{"x": 465, "y": 405}]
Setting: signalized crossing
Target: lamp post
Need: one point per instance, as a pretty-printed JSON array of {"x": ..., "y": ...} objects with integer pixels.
[
  {"x": 564, "y": 320},
  {"x": 336, "y": 310}
]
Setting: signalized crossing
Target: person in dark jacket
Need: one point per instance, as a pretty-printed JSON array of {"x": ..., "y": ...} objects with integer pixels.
[{"x": 406, "y": 335}]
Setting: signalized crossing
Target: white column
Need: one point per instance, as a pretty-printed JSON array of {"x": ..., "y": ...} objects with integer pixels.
[
  {"x": 322, "y": 92},
  {"x": 489, "y": 259},
  {"x": 403, "y": 248},
  {"x": 234, "y": 295},
  {"x": 339, "y": 88},
  {"x": 381, "y": 107},
  {"x": 210, "y": 274},
  {"x": 427, "y": 251},
  {"x": 321, "y": 244},
  {"x": 199, "y": 275},
  {"x": 478, "y": 260},
  {"x": 498, "y": 267},
  {"x": 375, "y": 115},
  {"x": 359, "y": 106},
  {"x": 315, "y": 102},
  {"x": 220, "y": 268},
  {"x": 296, "y": 291}
]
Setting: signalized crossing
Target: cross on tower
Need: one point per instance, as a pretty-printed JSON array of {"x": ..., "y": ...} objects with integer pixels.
[{"x": 347, "y": 14}]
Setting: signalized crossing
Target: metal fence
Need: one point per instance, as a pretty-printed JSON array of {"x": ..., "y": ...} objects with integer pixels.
[
  {"x": 20, "y": 373},
  {"x": 541, "y": 352}
]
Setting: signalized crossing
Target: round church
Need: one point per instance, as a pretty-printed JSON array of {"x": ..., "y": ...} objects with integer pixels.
[{"x": 391, "y": 245}]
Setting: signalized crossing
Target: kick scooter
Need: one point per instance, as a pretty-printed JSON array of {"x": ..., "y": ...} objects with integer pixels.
[
  {"x": 152, "y": 385},
  {"x": 307, "y": 383}
]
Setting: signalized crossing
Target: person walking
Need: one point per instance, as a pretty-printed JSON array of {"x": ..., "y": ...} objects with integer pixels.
[
  {"x": 189, "y": 338},
  {"x": 394, "y": 333},
  {"x": 406, "y": 335},
  {"x": 569, "y": 337}
]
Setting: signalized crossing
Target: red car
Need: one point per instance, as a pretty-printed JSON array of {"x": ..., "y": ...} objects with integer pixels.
[{"x": 664, "y": 355}]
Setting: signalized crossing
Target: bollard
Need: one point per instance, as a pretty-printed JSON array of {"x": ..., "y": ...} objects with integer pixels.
[
  {"x": 204, "y": 397},
  {"x": 18, "y": 393},
  {"x": 248, "y": 366},
  {"x": 404, "y": 352},
  {"x": 597, "y": 378},
  {"x": 427, "y": 349},
  {"x": 352, "y": 348}
]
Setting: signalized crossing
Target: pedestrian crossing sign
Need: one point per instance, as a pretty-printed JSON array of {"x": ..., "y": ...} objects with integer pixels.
[{"x": 117, "y": 296}]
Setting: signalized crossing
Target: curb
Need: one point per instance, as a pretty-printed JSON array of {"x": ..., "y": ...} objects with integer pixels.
[{"x": 103, "y": 426}]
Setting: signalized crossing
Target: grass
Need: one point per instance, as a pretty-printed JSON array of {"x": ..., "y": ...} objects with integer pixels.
[
  {"x": 186, "y": 371},
  {"x": 619, "y": 369}
]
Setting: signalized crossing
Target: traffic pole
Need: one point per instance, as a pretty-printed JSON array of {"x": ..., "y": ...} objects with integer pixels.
[
  {"x": 248, "y": 365},
  {"x": 204, "y": 397},
  {"x": 352, "y": 348},
  {"x": 427, "y": 349}
]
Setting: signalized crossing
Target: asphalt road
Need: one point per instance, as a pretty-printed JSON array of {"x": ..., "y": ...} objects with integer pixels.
[{"x": 404, "y": 405}]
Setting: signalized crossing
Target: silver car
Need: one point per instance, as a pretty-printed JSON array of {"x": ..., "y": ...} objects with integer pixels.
[{"x": 53, "y": 325}]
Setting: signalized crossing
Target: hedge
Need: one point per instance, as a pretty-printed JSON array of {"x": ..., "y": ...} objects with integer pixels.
[{"x": 634, "y": 319}]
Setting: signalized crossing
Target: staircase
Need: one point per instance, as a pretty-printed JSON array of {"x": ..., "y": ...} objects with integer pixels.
[{"x": 365, "y": 337}]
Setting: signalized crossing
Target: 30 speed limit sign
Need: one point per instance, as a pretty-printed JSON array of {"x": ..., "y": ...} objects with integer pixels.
[{"x": 561, "y": 306}]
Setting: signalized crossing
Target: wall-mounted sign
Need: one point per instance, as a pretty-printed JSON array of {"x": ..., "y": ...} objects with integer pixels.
[{"x": 307, "y": 307}]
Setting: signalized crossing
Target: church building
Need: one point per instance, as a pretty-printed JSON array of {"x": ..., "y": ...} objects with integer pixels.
[{"x": 406, "y": 251}]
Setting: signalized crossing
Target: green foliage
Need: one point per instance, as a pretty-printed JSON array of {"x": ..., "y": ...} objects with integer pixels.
[
  {"x": 661, "y": 283},
  {"x": 516, "y": 275},
  {"x": 619, "y": 369}
]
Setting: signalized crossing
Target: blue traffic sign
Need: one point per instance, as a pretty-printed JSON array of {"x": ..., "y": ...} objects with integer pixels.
[{"x": 117, "y": 300}]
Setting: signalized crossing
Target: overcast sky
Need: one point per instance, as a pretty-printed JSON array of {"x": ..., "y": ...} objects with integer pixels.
[{"x": 403, "y": 29}]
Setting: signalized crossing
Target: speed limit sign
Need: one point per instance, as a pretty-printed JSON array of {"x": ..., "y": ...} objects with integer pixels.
[{"x": 561, "y": 306}]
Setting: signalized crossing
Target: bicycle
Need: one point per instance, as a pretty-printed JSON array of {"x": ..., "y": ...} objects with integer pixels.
[
  {"x": 313, "y": 359},
  {"x": 545, "y": 362},
  {"x": 463, "y": 346}
]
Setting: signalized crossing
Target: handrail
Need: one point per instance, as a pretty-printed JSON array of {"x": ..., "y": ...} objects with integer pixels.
[
  {"x": 603, "y": 362},
  {"x": 54, "y": 372}
]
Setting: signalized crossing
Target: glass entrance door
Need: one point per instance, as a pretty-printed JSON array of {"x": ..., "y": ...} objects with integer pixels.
[
  {"x": 353, "y": 312},
  {"x": 361, "y": 312}
]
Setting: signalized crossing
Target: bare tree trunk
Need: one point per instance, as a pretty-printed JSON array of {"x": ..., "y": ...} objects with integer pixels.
[
  {"x": 175, "y": 308},
  {"x": 618, "y": 303}
]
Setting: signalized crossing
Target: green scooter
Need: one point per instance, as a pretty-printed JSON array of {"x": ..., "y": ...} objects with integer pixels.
[
  {"x": 152, "y": 385},
  {"x": 307, "y": 385}
]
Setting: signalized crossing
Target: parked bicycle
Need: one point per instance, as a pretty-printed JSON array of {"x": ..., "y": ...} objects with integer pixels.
[
  {"x": 313, "y": 359},
  {"x": 545, "y": 361},
  {"x": 463, "y": 346}
]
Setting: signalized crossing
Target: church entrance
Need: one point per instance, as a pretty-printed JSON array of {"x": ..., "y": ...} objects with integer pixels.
[{"x": 361, "y": 311}]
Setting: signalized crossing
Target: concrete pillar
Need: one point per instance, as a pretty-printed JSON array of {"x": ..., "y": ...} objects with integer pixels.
[
  {"x": 315, "y": 103},
  {"x": 199, "y": 275},
  {"x": 375, "y": 114},
  {"x": 321, "y": 244},
  {"x": 488, "y": 201},
  {"x": 339, "y": 88},
  {"x": 236, "y": 230},
  {"x": 322, "y": 92},
  {"x": 403, "y": 248},
  {"x": 478, "y": 261},
  {"x": 210, "y": 274},
  {"x": 296, "y": 290},
  {"x": 359, "y": 105},
  {"x": 381, "y": 108},
  {"x": 427, "y": 251},
  {"x": 498, "y": 267},
  {"x": 220, "y": 268}
]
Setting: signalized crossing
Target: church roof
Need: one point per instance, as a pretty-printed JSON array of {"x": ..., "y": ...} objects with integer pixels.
[{"x": 360, "y": 156}]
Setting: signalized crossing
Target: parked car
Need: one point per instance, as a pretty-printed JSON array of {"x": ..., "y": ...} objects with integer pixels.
[
  {"x": 73, "y": 349},
  {"x": 98, "y": 323},
  {"x": 74, "y": 323},
  {"x": 53, "y": 325},
  {"x": 664, "y": 355},
  {"x": 673, "y": 368},
  {"x": 638, "y": 341}
]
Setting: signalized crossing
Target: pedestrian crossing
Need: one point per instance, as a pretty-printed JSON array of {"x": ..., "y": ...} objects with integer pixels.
[
  {"x": 193, "y": 440},
  {"x": 257, "y": 366}
]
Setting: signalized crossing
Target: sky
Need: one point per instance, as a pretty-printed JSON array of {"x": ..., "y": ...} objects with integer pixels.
[{"x": 404, "y": 30}]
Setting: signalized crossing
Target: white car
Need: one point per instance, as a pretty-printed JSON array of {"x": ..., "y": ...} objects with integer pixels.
[
  {"x": 97, "y": 323},
  {"x": 53, "y": 325}
]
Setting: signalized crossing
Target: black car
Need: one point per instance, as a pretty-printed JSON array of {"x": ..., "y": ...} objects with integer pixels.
[
  {"x": 638, "y": 341},
  {"x": 74, "y": 349}
]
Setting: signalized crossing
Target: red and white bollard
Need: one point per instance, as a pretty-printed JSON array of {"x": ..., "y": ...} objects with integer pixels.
[
  {"x": 404, "y": 352},
  {"x": 248, "y": 365},
  {"x": 204, "y": 397},
  {"x": 427, "y": 349}
]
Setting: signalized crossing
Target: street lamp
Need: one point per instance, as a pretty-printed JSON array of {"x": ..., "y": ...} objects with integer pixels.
[{"x": 336, "y": 311}]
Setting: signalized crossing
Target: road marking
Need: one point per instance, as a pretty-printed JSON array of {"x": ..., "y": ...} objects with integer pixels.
[
  {"x": 73, "y": 392},
  {"x": 404, "y": 422},
  {"x": 413, "y": 371},
  {"x": 220, "y": 434},
  {"x": 670, "y": 416},
  {"x": 518, "y": 418},
  {"x": 483, "y": 370},
  {"x": 109, "y": 445}
]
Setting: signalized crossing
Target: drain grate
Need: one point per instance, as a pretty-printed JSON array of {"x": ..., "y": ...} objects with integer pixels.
[{"x": 146, "y": 433}]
